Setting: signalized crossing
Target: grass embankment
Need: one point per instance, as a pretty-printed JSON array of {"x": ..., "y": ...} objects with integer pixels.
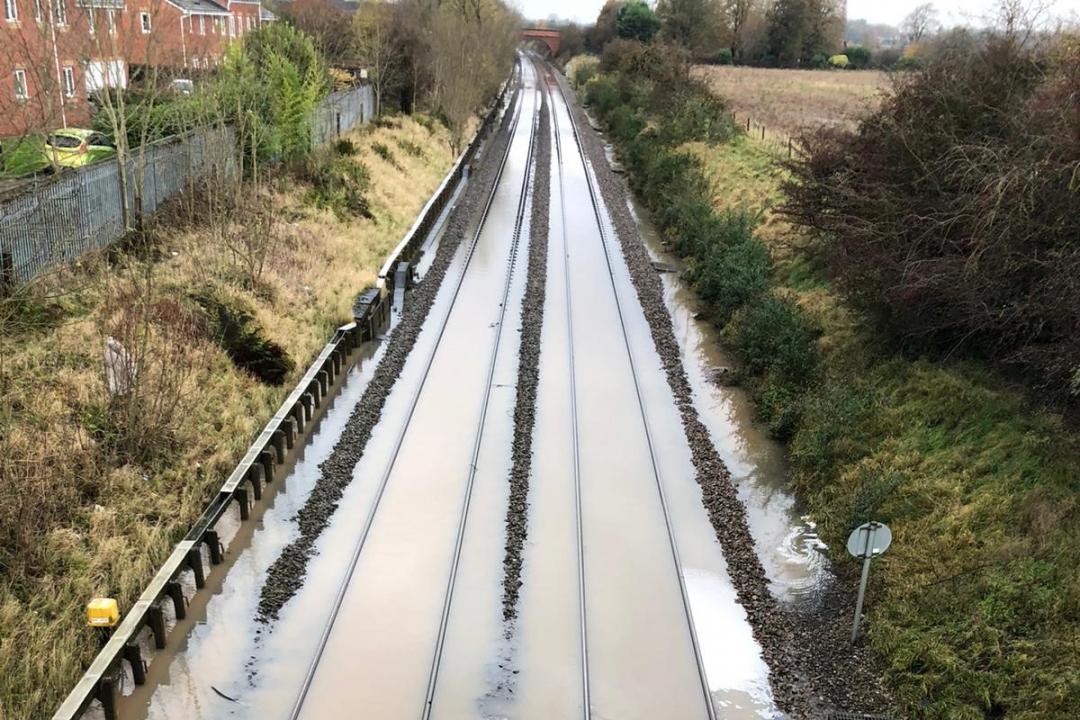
[
  {"x": 975, "y": 610},
  {"x": 96, "y": 490}
]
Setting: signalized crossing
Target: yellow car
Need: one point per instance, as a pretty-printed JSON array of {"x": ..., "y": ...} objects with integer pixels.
[{"x": 75, "y": 147}]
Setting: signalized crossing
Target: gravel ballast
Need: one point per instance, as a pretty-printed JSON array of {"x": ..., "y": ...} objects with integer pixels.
[
  {"x": 286, "y": 575},
  {"x": 812, "y": 666},
  {"x": 532, "y": 318}
]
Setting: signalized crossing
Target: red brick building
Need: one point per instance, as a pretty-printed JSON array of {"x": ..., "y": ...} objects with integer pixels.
[{"x": 55, "y": 53}]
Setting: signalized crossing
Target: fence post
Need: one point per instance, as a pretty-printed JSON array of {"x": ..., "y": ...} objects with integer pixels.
[
  {"x": 762, "y": 132},
  {"x": 747, "y": 123}
]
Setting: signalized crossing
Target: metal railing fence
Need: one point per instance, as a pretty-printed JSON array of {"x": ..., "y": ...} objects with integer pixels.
[{"x": 51, "y": 222}]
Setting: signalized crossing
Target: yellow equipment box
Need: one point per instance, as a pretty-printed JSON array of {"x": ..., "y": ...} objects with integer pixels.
[{"x": 102, "y": 612}]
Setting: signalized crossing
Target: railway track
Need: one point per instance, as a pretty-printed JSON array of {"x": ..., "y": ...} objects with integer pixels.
[
  {"x": 403, "y": 610},
  {"x": 511, "y": 269}
]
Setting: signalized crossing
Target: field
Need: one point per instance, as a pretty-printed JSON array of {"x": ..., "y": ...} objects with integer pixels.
[
  {"x": 90, "y": 504},
  {"x": 787, "y": 101}
]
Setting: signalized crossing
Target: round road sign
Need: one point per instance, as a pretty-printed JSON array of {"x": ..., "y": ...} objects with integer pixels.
[{"x": 869, "y": 539}]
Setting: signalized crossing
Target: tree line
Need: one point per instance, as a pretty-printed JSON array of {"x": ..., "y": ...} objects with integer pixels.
[
  {"x": 442, "y": 57},
  {"x": 771, "y": 33}
]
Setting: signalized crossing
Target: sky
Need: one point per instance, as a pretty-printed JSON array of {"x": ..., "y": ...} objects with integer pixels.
[{"x": 950, "y": 12}]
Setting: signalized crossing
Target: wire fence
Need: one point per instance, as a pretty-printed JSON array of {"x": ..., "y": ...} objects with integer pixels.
[{"x": 50, "y": 222}]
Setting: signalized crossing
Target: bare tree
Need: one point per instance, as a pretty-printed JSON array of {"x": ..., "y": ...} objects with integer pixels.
[
  {"x": 920, "y": 22},
  {"x": 376, "y": 45}
]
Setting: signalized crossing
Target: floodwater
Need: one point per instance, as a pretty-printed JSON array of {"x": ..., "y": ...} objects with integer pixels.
[
  {"x": 789, "y": 548},
  {"x": 632, "y": 608},
  {"x": 641, "y": 660}
]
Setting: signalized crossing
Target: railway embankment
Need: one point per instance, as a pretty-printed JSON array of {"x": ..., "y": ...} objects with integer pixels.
[{"x": 220, "y": 309}]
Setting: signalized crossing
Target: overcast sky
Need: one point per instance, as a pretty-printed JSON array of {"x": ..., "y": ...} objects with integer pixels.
[{"x": 951, "y": 12}]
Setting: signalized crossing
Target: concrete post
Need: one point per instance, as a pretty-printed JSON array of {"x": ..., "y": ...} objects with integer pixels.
[
  {"x": 156, "y": 621},
  {"x": 194, "y": 561},
  {"x": 213, "y": 543},
  {"x": 241, "y": 496},
  {"x": 288, "y": 426},
  {"x": 176, "y": 594},
  {"x": 106, "y": 695},
  {"x": 255, "y": 477},
  {"x": 134, "y": 657},
  {"x": 277, "y": 441},
  {"x": 298, "y": 416},
  {"x": 266, "y": 458}
]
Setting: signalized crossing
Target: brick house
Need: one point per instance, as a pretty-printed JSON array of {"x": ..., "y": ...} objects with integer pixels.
[{"x": 55, "y": 53}]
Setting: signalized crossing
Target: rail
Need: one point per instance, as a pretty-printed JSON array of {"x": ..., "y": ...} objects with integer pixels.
[
  {"x": 324, "y": 637},
  {"x": 605, "y": 242}
]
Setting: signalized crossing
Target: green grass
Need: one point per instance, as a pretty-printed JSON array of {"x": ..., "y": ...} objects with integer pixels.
[{"x": 24, "y": 156}]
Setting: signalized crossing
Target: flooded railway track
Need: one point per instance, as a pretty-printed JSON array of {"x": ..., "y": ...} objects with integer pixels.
[{"x": 625, "y": 609}]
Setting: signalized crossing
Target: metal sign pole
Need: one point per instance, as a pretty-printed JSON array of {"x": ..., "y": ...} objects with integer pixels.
[
  {"x": 866, "y": 541},
  {"x": 862, "y": 590}
]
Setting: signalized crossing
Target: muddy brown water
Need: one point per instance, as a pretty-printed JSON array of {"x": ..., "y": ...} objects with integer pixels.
[{"x": 641, "y": 659}]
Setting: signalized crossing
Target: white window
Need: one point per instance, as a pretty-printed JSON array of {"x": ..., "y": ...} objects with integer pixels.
[
  {"x": 11, "y": 11},
  {"x": 250, "y": 23},
  {"x": 195, "y": 63},
  {"x": 21, "y": 91},
  {"x": 60, "y": 12},
  {"x": 232, "y": 26},
  {"x": 144, "y": 22},
  {"x": 112, "y": 21},
  {"x": 69, "y": 82},
  {"x": 37, "y": 10},
  {"x": 90, "y": 24},
  {"x": 202, "y": 25}
]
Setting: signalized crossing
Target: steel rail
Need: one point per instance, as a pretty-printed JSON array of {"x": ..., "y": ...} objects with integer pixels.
[
  {"x": 586, "y": 695},
  {"x": 593, "y": 197},
  {"x": 369, "y": 519},
  {"x": 448, "y": 597}
]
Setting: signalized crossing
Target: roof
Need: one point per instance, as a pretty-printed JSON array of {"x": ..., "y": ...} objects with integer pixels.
[{"x": 200, "y": 7}]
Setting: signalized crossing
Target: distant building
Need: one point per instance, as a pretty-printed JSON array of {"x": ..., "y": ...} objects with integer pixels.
[{"x": 55, "y": 53}]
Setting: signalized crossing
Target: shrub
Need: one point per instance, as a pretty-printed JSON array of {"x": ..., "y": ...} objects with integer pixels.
[
  {"x": 859, "y": 57},
  {"x": 733, "y": 266},
  {"x": 840, "y": 61},
  {"x": 410, "y": 148},
  {"x": 345, "y": 147},
  {"x": 952, "y": 214},
  {"x": 337, "y": 183},
  {"x": 385, "y": 153},
  {"x": 582, "y": 69},
  {"x": 722, "y": 56},
  {"x": 234, "y": 327},
  {"x": 773, "y": 336}
]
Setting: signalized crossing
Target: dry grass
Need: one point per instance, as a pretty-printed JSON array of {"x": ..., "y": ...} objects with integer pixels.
[
  {"x": 786, "y": 101},
  {"x": 77, "y": 520}
]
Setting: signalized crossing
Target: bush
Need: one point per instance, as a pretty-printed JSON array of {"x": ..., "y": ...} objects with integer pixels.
[
  {"x": 859, "y": 57},
  {"x": 385, "y": 153},
  {"x": 722, "y": 56},
  {"x": 952, "y": 214},
  {"x": 773, "y": 337},
  {"x": 582, "y": 69},
  {"x": 235, "y": 329},
  {"x": 410, "y": 148},
  {"x": 733, "y": 268},
  {"x": 338, "y": 183},
  {"x": 840, "y": 61}
]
